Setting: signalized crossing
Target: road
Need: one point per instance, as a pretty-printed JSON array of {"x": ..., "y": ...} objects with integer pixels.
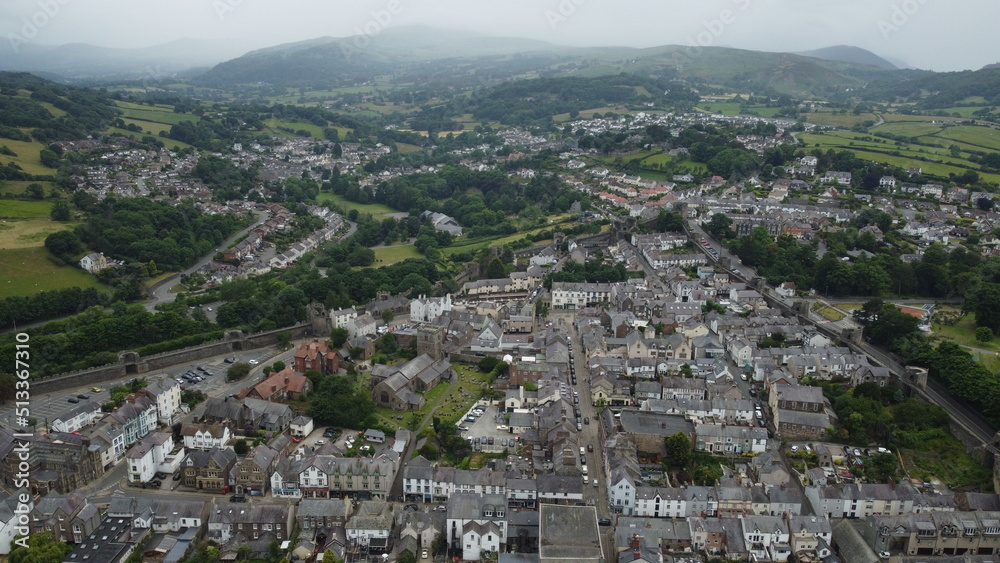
[{"x": 162, "y": 291}]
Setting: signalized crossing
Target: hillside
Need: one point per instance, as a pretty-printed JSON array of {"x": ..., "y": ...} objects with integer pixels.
[
  {"x": 411, "y": 55},
  {"x": 850, "y": 54}
]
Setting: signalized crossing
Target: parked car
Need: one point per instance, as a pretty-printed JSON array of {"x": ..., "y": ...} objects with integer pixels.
[
  {"x": 238, "y": 498},
  {"x": 83, "y": 396},
  {"x": 154, "y": 484},
  {"x": 95, "y": 389},
  {"x": 73, "y": 400},
  {"x": 586, "y": 420},
  {"x": 590, "y": 447},
  {"x": 604, "y": 522},
  {"x": 229, "y": 360},
  {"x": 160, "y": 475},
  {"x": 595, "y": 482},
  {"x": 177, "y": 476},
  {"x": 440, "y": 508},
  {"x": 423, "y": 554}
]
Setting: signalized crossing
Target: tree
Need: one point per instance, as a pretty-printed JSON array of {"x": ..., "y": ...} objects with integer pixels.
[
  {"x": 237, "y": 371},
  {"x": 719, "y": 225},
  {"x": 678, "y": 448},
  {"x": 41, "y": 548},
  {"x": 64, "y": 244},
  {"x": 60, "y": 211},
  {"x": 240, "y": 447},
  {"x": 487, "y": 364},
  {"x": 984, "y": 334},
  {"x": 407, "y": 557},
  {"x": 35, "y": 190},
  {"x": 495, "y": 269},
  {"x": 338, "y": 337},
  {"x": 284, "y": 337},
  {"x": 278, "y": 366},
  {"x": 387, "y": 316}
]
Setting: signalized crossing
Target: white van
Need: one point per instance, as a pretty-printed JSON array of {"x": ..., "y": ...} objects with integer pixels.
[
  {"x": 583, "y": 450},
  {"x": 584, "y": 469}
]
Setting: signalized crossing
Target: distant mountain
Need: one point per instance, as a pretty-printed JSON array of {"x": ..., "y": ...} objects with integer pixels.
[
  {"x": 849, "y": 54},
  {"x": 991, "y": 66},
  {"x": 432, "y": 56},
  {"x": 80, "y": 62}
]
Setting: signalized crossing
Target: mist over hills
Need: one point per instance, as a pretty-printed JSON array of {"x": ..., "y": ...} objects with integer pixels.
[{"x": 423, "y": 55}]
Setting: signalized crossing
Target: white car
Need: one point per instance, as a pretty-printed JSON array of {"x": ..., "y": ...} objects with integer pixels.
[
  {"x": 320, "y": 442},
  {"x": 883, "y": 555},
  {"x": 254, "y": 362},
  {"x": 423, "y": 554}
]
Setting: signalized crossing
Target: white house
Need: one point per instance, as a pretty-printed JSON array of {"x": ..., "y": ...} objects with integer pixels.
[
  {"x": 660, "y": 502},
  {"x": 205, "y": 436},
  {"x": 373, "y": 520},
  {"x": 150, "y": 455},
  {"x": 301, "y": 426},
  {"x": 76, "y": 417},
  {"x": 341, "y": 317},
  {"x": 477, "y": 524},
  {"x": 621, "y": 489},
  {"x": 95, "y": 262},
  {"x": 362, "y": 325},
  {"x": 425, "y": 309},
  {"x": 166, "y": 392},
  {"x": 9, "y": 516},
  {"x": 766, "y": 538}
]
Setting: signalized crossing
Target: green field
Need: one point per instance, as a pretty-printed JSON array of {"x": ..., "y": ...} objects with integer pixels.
[
  {"x": 26, "y": 271},
  {"x": 17, "y": 188},
  {"x": 27, "y": 156},
  {"x": 156, "y": 114},
  {"x": 273, "y": 124},
  {"x": 910, "y": 155},
  {"x": 389, "y": 255},
  {"x": 847, "y": 120},
  {"x": 169, "y": 143},
  {"x": 374, "y": 209},
  {"x": 17, "y": 209}
]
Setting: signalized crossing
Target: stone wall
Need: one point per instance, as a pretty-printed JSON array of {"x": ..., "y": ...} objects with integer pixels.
[{"x": 130, "y": 363}]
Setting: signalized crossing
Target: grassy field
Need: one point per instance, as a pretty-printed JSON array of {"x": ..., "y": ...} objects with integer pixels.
[
  {"x": 27, "y": 156},
  {"x": 374, "y": 209},
  {"x": 848, "y": 120},
  {"x": 734, "y": 108},
  {"x": 947, "y": 461},
  {"x": 273, "y": 124},
  {"x": 156, "y": 114},
  {"x": 26, "y": 271},
  {"x": 150, "y": 127},
  {"x": 17, "y": 209},
  {"x": 169, "y": 143},
  {"x": 17, "y": 188},
  {"x": 386, "y": 256},
  {"x": 909, "y": 155},
  {"x": 27, "y": 233},
  {"x": 963, "y": 333},
  {"x": 828, "y": 312}
]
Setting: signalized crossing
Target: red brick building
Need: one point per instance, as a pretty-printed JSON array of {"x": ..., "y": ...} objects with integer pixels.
[{"x": 318, "y": 356}]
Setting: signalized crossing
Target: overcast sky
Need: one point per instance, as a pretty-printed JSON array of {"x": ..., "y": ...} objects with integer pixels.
[{"x": 931, "y": 34}]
